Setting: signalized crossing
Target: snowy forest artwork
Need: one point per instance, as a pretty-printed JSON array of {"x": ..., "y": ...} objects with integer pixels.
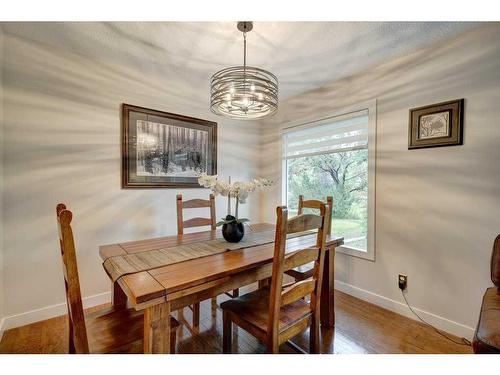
[{"x": 168, "y": 150}]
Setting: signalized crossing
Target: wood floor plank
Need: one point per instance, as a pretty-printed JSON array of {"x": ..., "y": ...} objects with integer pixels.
[{"x": 360, "y": 328}]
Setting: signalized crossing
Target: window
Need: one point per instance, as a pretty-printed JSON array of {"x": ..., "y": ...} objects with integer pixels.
[{"x": 335, "y": 155}]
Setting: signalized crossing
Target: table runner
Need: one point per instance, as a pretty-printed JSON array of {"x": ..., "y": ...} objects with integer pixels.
[{"x": 120, "y": 265}]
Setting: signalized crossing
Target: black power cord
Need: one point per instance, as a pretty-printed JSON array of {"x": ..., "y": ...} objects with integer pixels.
[{"x": 463, "y": 341}]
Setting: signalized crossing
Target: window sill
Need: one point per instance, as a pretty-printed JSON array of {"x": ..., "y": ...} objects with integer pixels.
[{"x": 367, "y": 255}]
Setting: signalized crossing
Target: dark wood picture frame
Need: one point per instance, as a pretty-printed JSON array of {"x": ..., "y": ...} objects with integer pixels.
[
  {"x": 130, "y": 177},
  {"x": 453, "y": 109}
]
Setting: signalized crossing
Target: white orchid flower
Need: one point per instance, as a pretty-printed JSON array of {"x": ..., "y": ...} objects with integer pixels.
[
  {"x": 242, "y": 195},
  {"x": 222, "y": 188},
  {"x": 239, "y": 190}
]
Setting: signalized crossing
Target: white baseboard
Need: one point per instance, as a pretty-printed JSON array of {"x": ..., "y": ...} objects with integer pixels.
[
  {"x": 49, "y": 312},
  {"x": 444, "y": 324},
  {"x": 2, "y": 321}
]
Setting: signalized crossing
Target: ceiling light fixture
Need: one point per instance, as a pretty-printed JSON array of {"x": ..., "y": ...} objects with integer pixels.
[{"x": 244, "y": 92}]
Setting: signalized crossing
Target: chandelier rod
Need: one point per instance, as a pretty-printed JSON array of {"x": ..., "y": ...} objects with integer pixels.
[
  {"x": 244, "y": 50},
  {"x": 245, "y": 66}
]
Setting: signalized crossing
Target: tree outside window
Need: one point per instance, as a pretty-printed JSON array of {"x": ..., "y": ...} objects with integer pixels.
[{"x": 344, "y": 175}]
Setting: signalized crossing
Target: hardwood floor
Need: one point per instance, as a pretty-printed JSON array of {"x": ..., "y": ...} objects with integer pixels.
[{"x": 360, "y": 328}]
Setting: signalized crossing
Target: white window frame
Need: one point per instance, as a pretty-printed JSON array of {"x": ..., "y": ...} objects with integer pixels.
[{"x": 316, "y": 120}]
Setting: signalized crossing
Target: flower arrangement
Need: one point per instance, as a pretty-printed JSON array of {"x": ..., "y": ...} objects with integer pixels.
[{"x": 237, "y": 190}]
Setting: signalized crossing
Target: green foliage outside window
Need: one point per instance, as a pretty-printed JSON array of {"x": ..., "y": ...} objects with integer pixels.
[{"x": 342, "y": 175}]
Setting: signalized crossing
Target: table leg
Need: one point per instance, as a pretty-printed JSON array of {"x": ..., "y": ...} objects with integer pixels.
[
  {"x": 157, "y": 328},
  {"x": 328, "y": 290},
  {"x": 119, "y": 297},
  {"x": 264, "y": 283}
]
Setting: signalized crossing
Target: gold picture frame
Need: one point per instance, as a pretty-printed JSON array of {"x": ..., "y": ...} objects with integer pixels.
[{"x": 436, "y": 125}]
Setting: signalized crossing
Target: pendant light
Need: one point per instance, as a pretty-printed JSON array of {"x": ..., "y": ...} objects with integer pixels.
[{"x": 244, "y": 92}]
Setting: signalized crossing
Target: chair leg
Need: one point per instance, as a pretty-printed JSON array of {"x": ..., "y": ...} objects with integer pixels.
[
  {"x": 273, "y": 348},
  {"x": 236, "y": 293},
  {"x": 314, "y": 335},
  {"x": 196, "y": 315},
  {"x": 227, "y": 334},
  {"x": 72, "y": 349},
  {"x": 263, "y": 283},
  {"x": 173, "y": 340},
  {"x": 180, "y": 315}
]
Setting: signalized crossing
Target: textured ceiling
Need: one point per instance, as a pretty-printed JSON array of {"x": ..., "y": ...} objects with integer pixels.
[{"x": 304, "y": 55}]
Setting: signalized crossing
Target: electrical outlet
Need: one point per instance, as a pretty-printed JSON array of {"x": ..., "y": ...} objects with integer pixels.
[{"x": 402, "y": 281}]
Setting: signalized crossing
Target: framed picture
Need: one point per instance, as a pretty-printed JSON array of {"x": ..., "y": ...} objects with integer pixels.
[
  {"x": 436, "y": 125},
  {"x": 165, "y": 150}
]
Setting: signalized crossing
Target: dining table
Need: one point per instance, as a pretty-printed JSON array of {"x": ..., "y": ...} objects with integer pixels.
[{"x": 165, "y": 274}]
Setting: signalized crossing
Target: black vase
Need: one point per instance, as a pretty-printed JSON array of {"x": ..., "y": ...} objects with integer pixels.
[{"x": 233, "y": 232}]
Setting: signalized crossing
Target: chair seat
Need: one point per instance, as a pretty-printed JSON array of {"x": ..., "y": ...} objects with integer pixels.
[
  {"x": 253, "y": 308},
  {"x": 117, "y": 330},
  {"x": 487, "y": 336},
  {"x": 302, "y": 272}
]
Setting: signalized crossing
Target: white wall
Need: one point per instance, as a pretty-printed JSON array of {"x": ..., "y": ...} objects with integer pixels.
[
  {"x": 62, "y": 144},
  {"x": 436, "y": 209},
  {"x": 1, "y": 186}
]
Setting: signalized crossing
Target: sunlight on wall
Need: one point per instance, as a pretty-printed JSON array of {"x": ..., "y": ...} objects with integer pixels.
[
  {"x": 436, "y": 209},
  {"x": 2, "y": 303},
  {"x": 62, "y": 134}
]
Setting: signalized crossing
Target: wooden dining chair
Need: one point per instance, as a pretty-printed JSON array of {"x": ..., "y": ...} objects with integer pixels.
[
  {"x": 305, "y": 271},
  {"x": 276, "y": 313},
  {"x": 111, "y": 330},
  {"x": 198, "y": 222}
]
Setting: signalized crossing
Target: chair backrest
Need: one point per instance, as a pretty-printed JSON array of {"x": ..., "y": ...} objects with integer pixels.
[
  {"x": 195, "y": 221},
  {"x": 312, "y": 204},
  {"x": 78, "y": 342},
  {"x": 495, "y": 262},
  {"x": 300, "y": 289}
]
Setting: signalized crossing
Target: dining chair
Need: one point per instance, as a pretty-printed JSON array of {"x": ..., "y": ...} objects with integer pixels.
[
  {"x": 198, "y": 222},
  {"x": 305, "y": 271},
  {"x": 276, "y": 313},
  {"x": 110, "y": 330}
]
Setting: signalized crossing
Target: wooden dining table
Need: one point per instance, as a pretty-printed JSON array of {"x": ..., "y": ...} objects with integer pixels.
[{"x": 162, "y": 289}]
